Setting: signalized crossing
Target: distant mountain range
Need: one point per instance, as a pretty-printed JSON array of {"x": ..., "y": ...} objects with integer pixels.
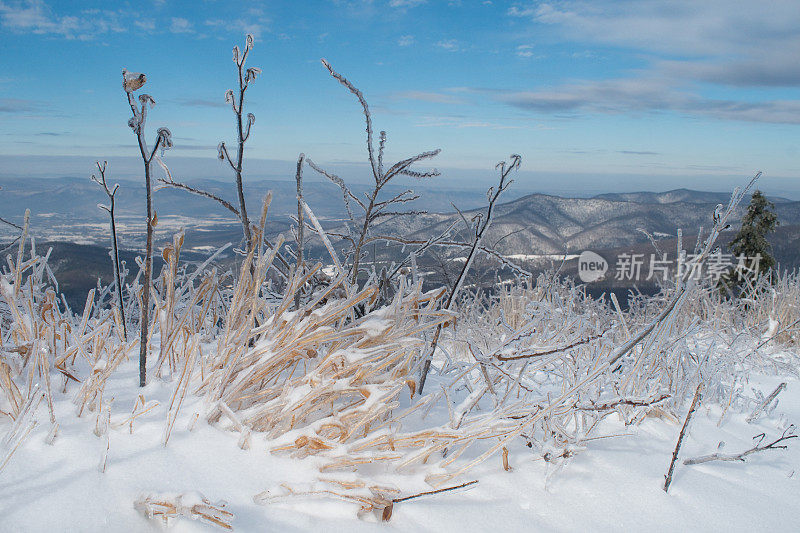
[
  {"x": 65, "y": 209},
  {"x": 531, "y": 227},
  {"x": 678, "y": 195},
  {"x": 542, "y": 224},
  {"x": 77, "y": 198}
]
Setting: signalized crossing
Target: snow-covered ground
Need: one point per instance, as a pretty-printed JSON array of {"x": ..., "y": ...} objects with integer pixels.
[{"x": 615, "y": 484}]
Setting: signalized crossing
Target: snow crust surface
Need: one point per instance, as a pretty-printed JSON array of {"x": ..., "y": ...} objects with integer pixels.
[{"x": 612, "y": 485}]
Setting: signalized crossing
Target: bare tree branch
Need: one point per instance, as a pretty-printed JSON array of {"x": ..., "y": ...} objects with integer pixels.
[
  {"x": 361, "y": 100},
  {"x": 300, "y": 226},
  {"x": 788, "y": 433},
  {"x": 480, "y": 229},
  {"x": 224, "y": 203},
  {"x": 111, "y": 193},
  {"x": 130, "y": 83},
  {"x": 612, "y": 404},
  {"x": 698, "y": 395},
  {"x": 373, "y": 208}
]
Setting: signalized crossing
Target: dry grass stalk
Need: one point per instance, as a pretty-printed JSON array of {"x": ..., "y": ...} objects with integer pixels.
[
  {"x": 106, "y": 431},
  {"x": 371, "y": 498},
  {"x": 191, "y": 348},
  {"x": 194, "y": 506},
  {"x": 21, "y": 428},
  {"x": 141, "y": 405}
]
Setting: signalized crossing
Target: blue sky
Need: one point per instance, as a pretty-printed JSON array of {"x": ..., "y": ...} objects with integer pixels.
[{"x": 651, "y": 88}]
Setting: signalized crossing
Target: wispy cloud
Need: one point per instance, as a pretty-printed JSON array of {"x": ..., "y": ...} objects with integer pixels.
[
  {"x": 405, "y": 3},
  {"x": 406, "y": 40},
  {"x": 146, "y": 25},
  {"x": 526, "y": 51},
  {"x": 738, "y": 44},
  {"x": 180, "y": 25},
  {"x": 451, "y": 45},
  {"x": 648, "y": 95},
  {"x": 16, "y": 105},
  {"x": 637, "y": 152},
  {"x": 780, "y": 69},
  {"x": 38, "y": 17},
  {"x": 703, "y": 28},
  {"x": 35, "y": 16},
  {"x": 608, "y": 96},
  {"x": 256, "y": 24},
  {"x": 685, "y": 46}
]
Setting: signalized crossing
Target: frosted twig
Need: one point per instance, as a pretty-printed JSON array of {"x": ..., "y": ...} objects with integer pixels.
[
  {"x": 612, "y": 404},
  {"x": 763, "y": 405},
  {"x": 695, "y": 404},
  {"x": 386, "y": 515},
  {"x": 374, "y": 209},
  {"x": 300, "y": 226},
  {"x": 788, "y": 433},
  {"x": 480, "y": 229},
  {"x": 111, "y": 193},
  {"x": 131, "y": 83}
]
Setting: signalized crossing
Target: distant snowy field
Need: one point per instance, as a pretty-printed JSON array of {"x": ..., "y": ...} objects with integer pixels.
[{"x": 614, "y": 485}]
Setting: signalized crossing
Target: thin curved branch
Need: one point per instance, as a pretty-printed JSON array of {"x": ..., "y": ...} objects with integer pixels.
[
  {"x": 398, "y": 199},
  {"x": 420, "y": 175},
  {"x": 11, "y": 245},
  {"x": 403, "y": 165},
  {"x": 788, "y": 433},
  {"x": 367, "y": 116},
  {"x": 4, "y": 221},
  {"x": 227, "y": 205},
  {"x": 384, "y": 214}
]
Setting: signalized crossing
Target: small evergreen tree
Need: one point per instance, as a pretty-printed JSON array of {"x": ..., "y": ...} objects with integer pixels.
[{"x": 751, "y": 241}]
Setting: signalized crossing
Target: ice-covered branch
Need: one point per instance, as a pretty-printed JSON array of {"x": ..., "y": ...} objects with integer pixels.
[
  {"x": 789, "y": 433},
  {"x": 367, "y": 117},
  {"x": 763, "y": 405}
]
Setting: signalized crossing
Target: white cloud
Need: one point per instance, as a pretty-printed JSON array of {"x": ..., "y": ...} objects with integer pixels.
[
  {"x": 405, "y": 3},
  {"x": 648, "y": 95},
  {"x": 406, "y": 40},
  {"x": 734, "y": 42},
  {"x": 16, "y": 105},
  {"x": 525, "y": 50},
  {"x": 451, "y": 45},
  {"x": 180, "y": 25},
  {"x": 255, "y": 25},
  {"x": 147, "y": 25},
  {"x": 685, "y": 45},
  {"x": 670, "y": 26},
  {"x": 35, "y": 16}
]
